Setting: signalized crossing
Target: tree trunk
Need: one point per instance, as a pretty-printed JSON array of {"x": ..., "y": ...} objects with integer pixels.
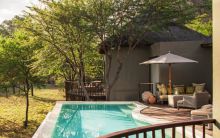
[
  {"x": 32, "y": 90},
  {"x": 82, "y": 84},
  {"x": 67, "y": 89},
  {"x": 26, "y": 112},
  {"x": 24, "y": 88},
  {"x": 27, "y": 104},
  {"x": 108, "y": 63},
  {"x": 13, "y": 89},
  {"x": 109, "y": 85},
  {"x": 82, "y": 75},
  {"x": 84, "y": 89},
  {"x": 6, "y": 92},
  {"x": 19, "y": 92},
  {"x": 108, "y": 91}
]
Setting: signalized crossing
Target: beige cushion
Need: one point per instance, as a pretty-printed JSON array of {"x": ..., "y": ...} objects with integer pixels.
[
  {"x": 198, "y": 87},
  {"x": 207, "y": 106},
  {"x": 189, "y": 90},
  {"x": 178, "y": 89},
  {"x": 164, "y": 97},
  {"x": 201, "y": 112}
]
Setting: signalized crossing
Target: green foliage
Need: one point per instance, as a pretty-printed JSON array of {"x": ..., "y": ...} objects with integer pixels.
[
  {"x": 16, "y": 57},
  {"x": 202, "y": 24},
  {"x": 69, "y": 39}
]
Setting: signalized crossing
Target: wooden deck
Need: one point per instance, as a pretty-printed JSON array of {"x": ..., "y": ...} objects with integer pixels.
[{"x": 171, "y": 114}]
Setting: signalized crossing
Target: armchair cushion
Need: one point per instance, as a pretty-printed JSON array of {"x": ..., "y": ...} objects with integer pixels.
[{"x": 172, "y": 100}]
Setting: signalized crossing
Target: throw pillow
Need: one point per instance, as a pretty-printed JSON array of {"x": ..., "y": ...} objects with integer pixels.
[
  {"x": 189, "y": 90},
  {"x": 178, "y": 89},
  {"x": 162, "y": 89},
  {"x": 198, "y": 87}
]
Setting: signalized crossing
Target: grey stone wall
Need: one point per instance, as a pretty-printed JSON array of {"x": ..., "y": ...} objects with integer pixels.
[{"x": 131, "y": 74}]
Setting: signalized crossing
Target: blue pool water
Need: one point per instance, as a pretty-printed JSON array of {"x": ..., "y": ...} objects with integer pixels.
[{"x": 93, "y": 120}]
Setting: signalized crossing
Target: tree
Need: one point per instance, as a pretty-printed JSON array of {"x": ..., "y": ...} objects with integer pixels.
[
  {"x": 16, "y": 59},
  {"x": 62, "y": 27}
]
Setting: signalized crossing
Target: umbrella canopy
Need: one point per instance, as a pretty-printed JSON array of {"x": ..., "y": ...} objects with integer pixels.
[{"x": 169, "y": 59}]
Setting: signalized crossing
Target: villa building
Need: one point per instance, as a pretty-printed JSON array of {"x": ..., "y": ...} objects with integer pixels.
[{"x": 178, "y": 40}]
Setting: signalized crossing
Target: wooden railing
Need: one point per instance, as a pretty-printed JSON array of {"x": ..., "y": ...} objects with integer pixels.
[
  {"x": 142, "y": 131},
  {"x": 74, "y": 91}
]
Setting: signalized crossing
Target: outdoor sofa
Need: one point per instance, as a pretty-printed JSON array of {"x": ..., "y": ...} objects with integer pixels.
[{"x": 177, "y": 93}]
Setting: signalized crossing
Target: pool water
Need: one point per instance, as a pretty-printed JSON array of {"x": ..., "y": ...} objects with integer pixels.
[{"x": 94, "y": 120}]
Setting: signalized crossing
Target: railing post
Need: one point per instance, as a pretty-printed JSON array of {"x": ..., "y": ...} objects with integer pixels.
[
  {"x": 173, "y": 132},
  {"x": 145, "y": 134},
  {"x": 203, "y": 130},
  {"x": 193, "y": 131},
  {"x": 183, "y": 131},
  {"x": 163, "y": 133},
  {"x": 153, "y": 133}
]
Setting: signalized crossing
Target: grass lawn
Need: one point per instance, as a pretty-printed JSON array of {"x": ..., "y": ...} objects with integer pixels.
[{"x": 12, "y": 112}]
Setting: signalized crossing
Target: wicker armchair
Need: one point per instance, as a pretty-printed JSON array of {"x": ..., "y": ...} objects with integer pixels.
[{"x": 196, "y": 101}]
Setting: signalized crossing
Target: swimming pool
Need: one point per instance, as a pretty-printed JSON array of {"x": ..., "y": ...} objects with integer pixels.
[
  {"x": 93, "y": 120},
  {"x": 80, "y": 119}
]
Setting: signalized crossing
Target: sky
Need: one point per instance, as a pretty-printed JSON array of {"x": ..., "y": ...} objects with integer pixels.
[{"x": 10, "y": 8}]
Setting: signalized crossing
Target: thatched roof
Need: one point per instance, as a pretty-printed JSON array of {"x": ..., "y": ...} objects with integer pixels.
[{"x": 171, "y": 33}]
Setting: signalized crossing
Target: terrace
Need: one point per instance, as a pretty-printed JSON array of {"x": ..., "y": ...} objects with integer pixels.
[{"x": 156, "y": 111}]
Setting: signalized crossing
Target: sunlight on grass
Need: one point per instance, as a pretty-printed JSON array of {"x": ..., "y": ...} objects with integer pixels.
[{"x": 12, "y": 112}]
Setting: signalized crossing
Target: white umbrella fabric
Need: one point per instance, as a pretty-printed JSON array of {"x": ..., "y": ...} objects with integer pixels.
[{"x": 169, "y": 59}]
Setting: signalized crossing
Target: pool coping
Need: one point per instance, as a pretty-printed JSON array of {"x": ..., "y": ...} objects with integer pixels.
[{"x": 49, "y": 122}]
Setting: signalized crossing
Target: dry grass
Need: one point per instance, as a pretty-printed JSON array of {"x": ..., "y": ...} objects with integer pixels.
[{"x": 12, "y": 112}]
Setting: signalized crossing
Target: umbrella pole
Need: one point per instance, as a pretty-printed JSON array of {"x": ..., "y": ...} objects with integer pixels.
[{"x": 170, "y": 81}]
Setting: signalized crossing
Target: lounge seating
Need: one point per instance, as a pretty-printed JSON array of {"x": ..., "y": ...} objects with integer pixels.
[
  {"x": 205, "y": 112},
  {"x": 196, "y": 101}
]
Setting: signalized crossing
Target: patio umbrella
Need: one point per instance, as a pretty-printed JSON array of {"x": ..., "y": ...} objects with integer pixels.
[{"x": 169, "y": 59}]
